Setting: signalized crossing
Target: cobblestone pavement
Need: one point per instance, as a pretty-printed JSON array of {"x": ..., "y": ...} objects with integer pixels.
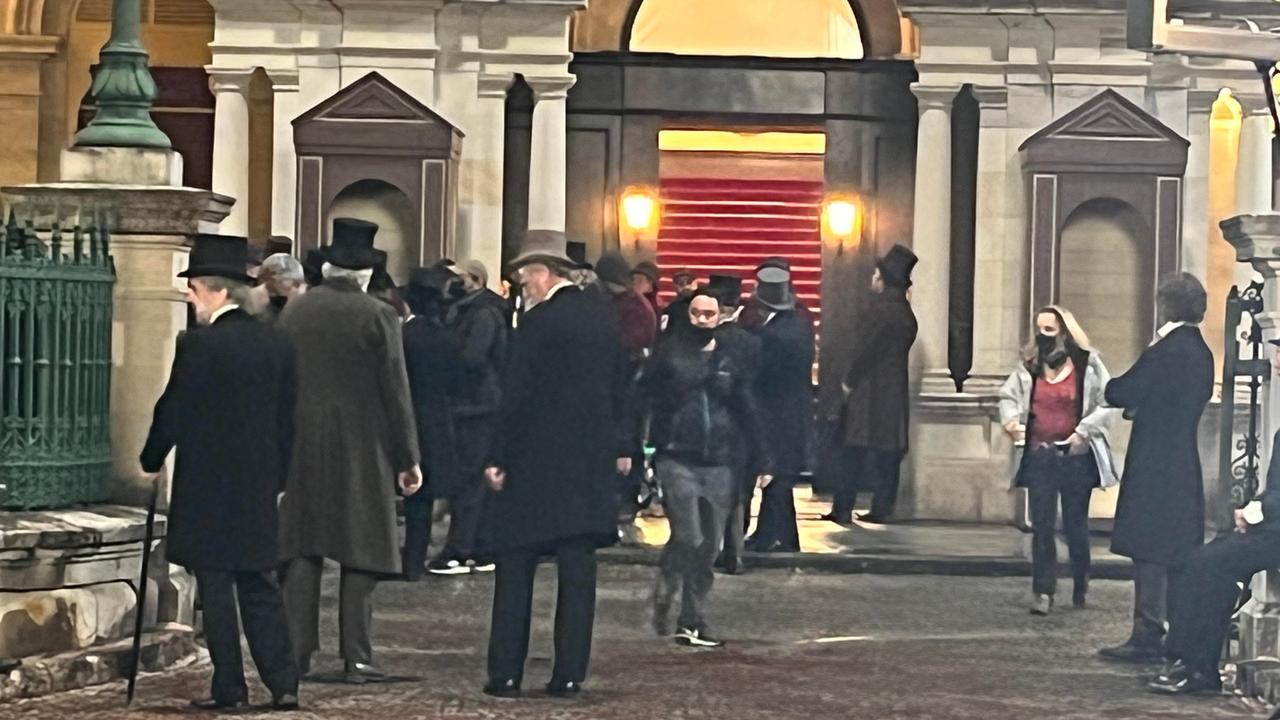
[{"x": 801, "y": 646}]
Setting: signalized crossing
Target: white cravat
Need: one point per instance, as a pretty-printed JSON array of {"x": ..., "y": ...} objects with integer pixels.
[{"x": 213, "y": 318}]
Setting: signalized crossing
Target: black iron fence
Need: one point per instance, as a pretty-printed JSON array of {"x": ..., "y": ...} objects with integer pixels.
[{"x": 55, "y": 362}]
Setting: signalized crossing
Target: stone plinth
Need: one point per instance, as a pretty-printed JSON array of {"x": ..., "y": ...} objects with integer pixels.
[
  {"x": 68, "y": 578},
  {"x": 122, "y": 166}
]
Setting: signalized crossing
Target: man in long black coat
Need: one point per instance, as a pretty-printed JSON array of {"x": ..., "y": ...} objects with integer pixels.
[
  {"x": 1160, "y": 512},
  {"x": 228, "y": 408},
  {"x": 563, "y": 438},
  {"x": 784, "y": 393},
  {"x": 877, "y": 398}
]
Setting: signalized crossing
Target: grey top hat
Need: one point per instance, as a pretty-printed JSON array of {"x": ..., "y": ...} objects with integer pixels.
[
  {"x": 543, "y": 246},
  {"x": 773, "y": 288}
]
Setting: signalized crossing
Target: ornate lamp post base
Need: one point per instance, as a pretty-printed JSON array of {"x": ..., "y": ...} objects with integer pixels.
[{"x": 123, "y": 88}]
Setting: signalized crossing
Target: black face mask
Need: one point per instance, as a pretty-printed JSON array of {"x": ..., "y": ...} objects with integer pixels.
[
  {"x": 456, "y": 289},
  {"x": 700, "y": 336},
  {"x": 1051, "y": 353},
  {"x": 278, "y": 301}
]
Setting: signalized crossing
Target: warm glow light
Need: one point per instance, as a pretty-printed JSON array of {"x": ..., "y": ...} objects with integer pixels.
[
  {"x": 639, "y": 209},
  {"x": 841, "y": 217}
]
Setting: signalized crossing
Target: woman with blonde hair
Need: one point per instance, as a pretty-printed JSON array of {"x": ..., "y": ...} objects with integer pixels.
[{"x": 1052, "y": 406}]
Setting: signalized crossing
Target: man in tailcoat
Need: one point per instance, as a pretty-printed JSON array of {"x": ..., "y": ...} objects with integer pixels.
[
  {"x": 356, "y": 437},
  {"x": 784, "y": 394},
  {"x": 877, "y": 397},
  {"x": 1160, "y": 512},
  {"x": 228, "y": 408},
  {"x": 744, "y": 348},
  {"x": 563, "y": 437}
]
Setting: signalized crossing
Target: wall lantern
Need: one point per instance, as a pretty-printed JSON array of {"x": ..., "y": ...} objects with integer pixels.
[
  {"x": 639, "y": 209},
  {"x": 842, "y": 221}
]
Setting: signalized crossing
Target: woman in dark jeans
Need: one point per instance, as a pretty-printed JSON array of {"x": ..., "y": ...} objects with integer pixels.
[{"x": 1052, "y": 407}]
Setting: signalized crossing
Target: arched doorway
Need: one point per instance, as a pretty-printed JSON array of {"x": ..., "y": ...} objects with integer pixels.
[{"x": 386, "y": 205}]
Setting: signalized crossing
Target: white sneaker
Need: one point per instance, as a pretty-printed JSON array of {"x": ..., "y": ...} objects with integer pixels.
[
  {"x": 481, "y": 566},
  {"x": 696, "y": 637},
  {"x": 447, "y": 567}
]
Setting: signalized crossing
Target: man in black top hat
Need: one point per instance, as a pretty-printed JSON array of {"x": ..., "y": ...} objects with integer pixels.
[
  {"x": 356, "y": 438},
  {"x": 229, "y": 410},
  {"x": 744, "y": 348},
  {"x": 563, "y": 435},
  {"x": 877, "y": 398},
  {"x": 784, "y": 393}
]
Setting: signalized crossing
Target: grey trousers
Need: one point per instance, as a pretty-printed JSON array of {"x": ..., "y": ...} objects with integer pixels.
[
  {"x": 355, "y": 610},
  {"x": 1150, "y": 603},
  {"x": 698, "y": 501}
]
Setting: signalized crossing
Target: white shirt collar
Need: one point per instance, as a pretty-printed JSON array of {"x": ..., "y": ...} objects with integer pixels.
[
  {"x": 1167, "y": 328},
  {"x": 222, "y": 311},
  {"x": 551, "y": 293}
]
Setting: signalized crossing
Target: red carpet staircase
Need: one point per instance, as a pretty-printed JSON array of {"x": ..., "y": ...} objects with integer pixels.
[{"x": 717, "y": 225}]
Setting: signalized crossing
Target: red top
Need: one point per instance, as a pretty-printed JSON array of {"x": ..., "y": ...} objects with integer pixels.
[{"x": 1054, "y": 410}]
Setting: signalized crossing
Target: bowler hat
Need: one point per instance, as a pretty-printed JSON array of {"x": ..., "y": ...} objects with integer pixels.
[
  {"x": 542, "y": 246},
  {"x": 773, "y": 288},
  {"x": 896, "y": 265},
  {"x": 224, "y": 256},
  {"x": 726, "y": 288},
  {"x": 352, "y": 245}
]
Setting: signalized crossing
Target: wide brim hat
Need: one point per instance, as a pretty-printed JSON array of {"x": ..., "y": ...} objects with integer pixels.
[
  {"x": 727, "y": 289},
  {"x": 542, "y": 246},
  {"x": 896, "y": 266},
  {"x": 224, "y": 256},
  {"x": 773, "y": 289},
  {"x": 351, "y": 245}
]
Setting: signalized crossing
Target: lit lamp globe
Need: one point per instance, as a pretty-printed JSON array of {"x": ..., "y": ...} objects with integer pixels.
[
  {"x": 841, "y": 218},
  {"x": 639, "y": 210}
]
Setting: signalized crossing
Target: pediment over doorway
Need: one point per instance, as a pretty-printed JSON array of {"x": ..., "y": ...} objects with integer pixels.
[
  {"x": 374, "y": 114},
  {"x": 1108, "y": 133}
]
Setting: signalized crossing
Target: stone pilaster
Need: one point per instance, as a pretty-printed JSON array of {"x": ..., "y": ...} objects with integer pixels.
[
  {"x": 231, "y": 143},
  {"x": 284, "y": 161},
  {"x": 548, "y": 157},
  {"x": 996, "y": 303},
  {"x": 486, "y": 141}
]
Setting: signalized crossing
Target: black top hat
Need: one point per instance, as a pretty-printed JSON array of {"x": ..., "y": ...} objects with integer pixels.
[
  {"x": 896, "y": 265},
  {"x": 352, "y": 245},
  {"x": 277, "y": 244},
  {"x": 774, "y": 262},
  {"x": 773, "y": 288},
  {"x": 224, "y": 256},
  {"x": 727, "y": 289},
  {"x": 577, "y": 252}
]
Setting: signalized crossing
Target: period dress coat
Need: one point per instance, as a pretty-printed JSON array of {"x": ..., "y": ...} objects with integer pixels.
[
  {"x": 355, "y": 429},
  {"x": 564, "y": 425},
  {"x": 229, "y": 409},
  {"x": 784, "y": 389},
  {"x": 1160, "y": 512},
  {"x": 878, "y": 397}
]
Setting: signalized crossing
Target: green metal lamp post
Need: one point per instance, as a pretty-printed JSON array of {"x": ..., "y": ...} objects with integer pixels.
[{"x": 123, "y": 88}]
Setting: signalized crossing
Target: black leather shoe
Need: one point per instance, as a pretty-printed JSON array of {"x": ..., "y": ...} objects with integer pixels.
[
  {"x": 502, "y": 689},
  {"x": 216, "y": 705},
  {"x": 563, "y": 688},
  {"x": 285, "y": 703},
  {"x": 359, "y": 673},
  {"x": 1172, "y": 673},
  {"x": 839, "y": 519},
  {"x": 872, "y": 519},
  {"x": 1194, "y": 683},
  {"x": 1129, "y": 652}
]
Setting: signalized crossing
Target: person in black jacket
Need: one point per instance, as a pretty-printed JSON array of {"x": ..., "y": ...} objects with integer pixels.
[
  {"x": 564, "y": 434},
  {"x": 229, "y": 410},
  {"x": 784, "y": 391},
  {"x": 744, "y": 348},
  {"x": 434, "y": 367},
  {"x": 1206, "y": 590},
  {"x": 1160, "y": 511},
  {"x": 701, "y": 408},
  {"x": 478, "y": 327}
]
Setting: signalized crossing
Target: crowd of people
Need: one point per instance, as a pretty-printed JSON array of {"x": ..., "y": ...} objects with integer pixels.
[{"x": 315, "y": 392}]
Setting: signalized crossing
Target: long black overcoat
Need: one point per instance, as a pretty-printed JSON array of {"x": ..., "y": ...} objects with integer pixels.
[
  {"x": 879, "y": 400},
  {"x": 784, "y": 390},
  {"x": 564, "y": 424},
  {"x": 434, "y": 367},
  {"x": 1160, "y": 512},
  {"x": 229, "y": 409}
]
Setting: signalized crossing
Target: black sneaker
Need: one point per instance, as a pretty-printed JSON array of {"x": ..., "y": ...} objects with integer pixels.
[
  {"x": 440, "y": 566},
  {"x": 696, "y": 637}
]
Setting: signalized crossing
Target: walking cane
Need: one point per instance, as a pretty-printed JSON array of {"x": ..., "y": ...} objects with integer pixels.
[{"x": 135, "y": 655}]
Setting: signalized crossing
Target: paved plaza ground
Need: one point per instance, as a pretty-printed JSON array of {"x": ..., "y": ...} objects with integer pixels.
[{"x": 802, "y": 645}]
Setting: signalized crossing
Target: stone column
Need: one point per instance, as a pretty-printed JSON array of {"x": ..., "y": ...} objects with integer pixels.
[
  {"x": 485, "y": 143},
  {"x": 1253, "y": 161},
  {"x": 284, "y": 161},
  {"x": 992, "y": 295},
  {"x": 932, "y": 233},
  {"x": 548, "y": 153},
  {"x": 1195, "y": 184},
  {"x": 231, "y": 143}
]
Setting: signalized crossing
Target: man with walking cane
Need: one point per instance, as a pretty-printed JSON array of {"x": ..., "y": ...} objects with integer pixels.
[{"x": 228, "y": 409}]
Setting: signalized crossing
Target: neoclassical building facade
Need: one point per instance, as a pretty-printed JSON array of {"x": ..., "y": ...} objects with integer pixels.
[{"x": 1020, "y": 148}]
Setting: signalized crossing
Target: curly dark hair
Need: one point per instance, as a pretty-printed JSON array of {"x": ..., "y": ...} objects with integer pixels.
[{"x": 1182, "y": 298}]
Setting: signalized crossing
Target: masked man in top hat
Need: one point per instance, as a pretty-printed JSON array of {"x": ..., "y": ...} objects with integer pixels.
[
  {"x": 356, "y": 439},
  {"x": 229, "y": 409},
  {"x": 744, "y": 347},
  {"x": 877, "y": 396},
  {"x": 563, "y": 437},
  {"x": 784, "y": 392}
]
